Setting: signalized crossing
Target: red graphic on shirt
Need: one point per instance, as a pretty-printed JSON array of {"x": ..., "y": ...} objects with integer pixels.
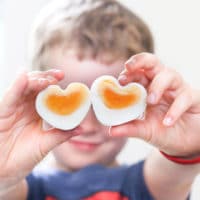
[
  {"x": 107, "y": 195},
  {"x": 50, "y": 198},
  {"x": 104, "y": 195}
]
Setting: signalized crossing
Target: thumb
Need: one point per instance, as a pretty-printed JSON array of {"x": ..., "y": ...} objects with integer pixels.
[
  {"x": 137, "y": 128},
  {"x": 54, "y": 137}
]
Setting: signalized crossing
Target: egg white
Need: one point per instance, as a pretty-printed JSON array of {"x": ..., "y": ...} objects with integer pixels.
[
  {"x": 63, "y": 122},
  {"x": 113, "y": 117}
]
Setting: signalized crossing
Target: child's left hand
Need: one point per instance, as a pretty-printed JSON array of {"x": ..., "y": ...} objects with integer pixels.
[{"x": 172, "y": 120}]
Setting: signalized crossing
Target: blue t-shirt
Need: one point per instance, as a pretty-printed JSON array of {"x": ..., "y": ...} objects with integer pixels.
[{"x": 93, "y": 182}]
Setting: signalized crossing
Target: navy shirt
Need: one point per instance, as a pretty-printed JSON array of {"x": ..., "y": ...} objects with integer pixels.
[{"x": 93, "y": 182}]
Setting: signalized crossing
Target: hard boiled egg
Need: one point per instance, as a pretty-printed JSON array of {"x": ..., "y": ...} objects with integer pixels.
[
  {"x": 114, "y": 104},
  {"x": 64, "y": 109}
]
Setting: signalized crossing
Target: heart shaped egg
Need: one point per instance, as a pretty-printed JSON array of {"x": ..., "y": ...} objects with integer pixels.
[
  {"x": 64, "y": 109},
  {"x": 114, "y": 104}
]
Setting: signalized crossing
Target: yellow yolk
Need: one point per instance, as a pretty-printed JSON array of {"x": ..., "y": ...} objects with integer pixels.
[
  {"x": 66, "y": 104},
  {"x": 117, "y": 98}
]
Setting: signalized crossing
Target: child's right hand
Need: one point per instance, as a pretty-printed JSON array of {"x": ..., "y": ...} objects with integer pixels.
[{"x": 22, "y": 141}]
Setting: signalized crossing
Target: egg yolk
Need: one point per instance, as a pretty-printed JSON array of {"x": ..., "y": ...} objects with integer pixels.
[
  {"x": 118, "y": 98},
  {"x": 68, "y": 103}
]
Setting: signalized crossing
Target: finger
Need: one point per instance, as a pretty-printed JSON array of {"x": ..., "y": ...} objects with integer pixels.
[
  {"x": 136, "y": 128},
  {"x": 167, "y": 79},
  {"x": 56, "y": 73},
  {"x": 55, "y": 137},
  {"x": 138, "y": 77},
  {"x": 12, "y": 96},
  {"x": 37, "y": 84},
  {"x": 53, "y": 73},
  {"x": 180, "y": 105},
  {"x": 40, "y": 80},
  {"x": 146, "y": 62}
]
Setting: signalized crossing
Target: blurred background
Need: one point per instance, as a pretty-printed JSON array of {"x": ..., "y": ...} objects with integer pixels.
[{"x": 174, "y": 24}]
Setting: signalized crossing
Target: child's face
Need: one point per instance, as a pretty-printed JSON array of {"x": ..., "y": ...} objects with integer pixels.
[{"x": 93, "y": 145}]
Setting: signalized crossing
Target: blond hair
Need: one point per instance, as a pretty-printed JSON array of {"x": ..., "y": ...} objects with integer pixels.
[{"x": 104, "y": 30}]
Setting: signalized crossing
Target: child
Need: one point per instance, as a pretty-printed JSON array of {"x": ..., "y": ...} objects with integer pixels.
[{"x": 83, "y": 40}]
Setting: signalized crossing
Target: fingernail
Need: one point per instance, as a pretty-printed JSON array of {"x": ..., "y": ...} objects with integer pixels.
[
  {"x": 57, "y": 70},
  {"x": 46, "y": 126},
  {"x": 109, "y": 131},
  {"x": 131, "y": 61},
  {"x": 50, "y": 78},
  {"x": 151, "y": 98},
  {"x": 41, "y": 81},
  {"x": 142, "y": 116},
  {"x": 123, "y": 72},
  {"x": 122, "y": 77},
  {"x": 167, "y": 121}
]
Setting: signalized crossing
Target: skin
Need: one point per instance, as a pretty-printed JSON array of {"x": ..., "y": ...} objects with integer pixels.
[{"x": 171, "y": 119}]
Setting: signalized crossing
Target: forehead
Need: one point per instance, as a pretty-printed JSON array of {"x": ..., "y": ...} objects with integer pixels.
[{"x": 85, "y": 71}]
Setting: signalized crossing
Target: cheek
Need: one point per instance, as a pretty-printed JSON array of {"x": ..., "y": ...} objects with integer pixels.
[{"x": 114, "y": 146}]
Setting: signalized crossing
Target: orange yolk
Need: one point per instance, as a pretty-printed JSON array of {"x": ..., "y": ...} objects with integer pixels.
[
  {"x": 65, "y": 104},
  {"x": 116, "y": 98}
]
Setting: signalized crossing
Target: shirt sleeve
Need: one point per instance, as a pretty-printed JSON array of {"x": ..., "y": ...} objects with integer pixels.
[{"x": 35, "y": 188}]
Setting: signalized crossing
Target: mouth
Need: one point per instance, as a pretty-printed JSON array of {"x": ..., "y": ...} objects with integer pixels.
[{"x": 84, "y": 146}]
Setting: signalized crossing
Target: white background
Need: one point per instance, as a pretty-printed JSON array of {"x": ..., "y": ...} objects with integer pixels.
[{"x": 175, "y": 26}]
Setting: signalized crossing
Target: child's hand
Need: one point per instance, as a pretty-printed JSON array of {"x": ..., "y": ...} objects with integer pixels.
[
  {"x": 172, "y": 121},
  {"x": 22, "y": 142}
]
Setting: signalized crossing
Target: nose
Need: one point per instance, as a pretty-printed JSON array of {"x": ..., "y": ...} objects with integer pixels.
[{"x": 90, "y": 124}]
